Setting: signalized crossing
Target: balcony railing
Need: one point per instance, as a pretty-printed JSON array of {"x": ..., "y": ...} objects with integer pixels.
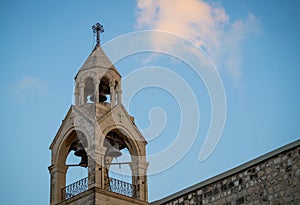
[
  {"x": 116, "y": 186},
  {"x": 74, "y": 189},
  {"x": 121, "y": 187}
]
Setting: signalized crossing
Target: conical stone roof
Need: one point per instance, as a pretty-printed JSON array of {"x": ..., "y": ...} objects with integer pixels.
[{"x": 98, "y": 59}]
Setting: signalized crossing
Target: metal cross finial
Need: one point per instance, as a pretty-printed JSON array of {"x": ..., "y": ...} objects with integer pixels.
[{"x": 97, "y": 29}]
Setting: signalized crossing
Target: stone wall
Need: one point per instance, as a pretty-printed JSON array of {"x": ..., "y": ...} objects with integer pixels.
[
  {"x": 97, "y": 196},
  {"x": 271, "y": 179},
  {"x": 104, "y": 197},
  {"x": 84, "y": 198}
]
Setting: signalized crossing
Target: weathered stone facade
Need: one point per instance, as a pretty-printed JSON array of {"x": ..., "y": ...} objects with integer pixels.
[
  {"x": 101, "y": 197},
  {"x": 271, "y": 179}
]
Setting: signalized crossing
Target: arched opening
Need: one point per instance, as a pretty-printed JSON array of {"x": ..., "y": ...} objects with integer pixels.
[
  {"x": 75, "y": 173},
  {"x": 120, "y": 168},
  {"x": 77, "y": 162},
  {"x": 104, "y": 90},
  {"x": 89, "y": 90},
  {"x": 118, "y": 164}
]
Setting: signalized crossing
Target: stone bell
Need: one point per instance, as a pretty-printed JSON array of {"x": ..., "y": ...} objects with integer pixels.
[{"x": 114, "y": 151}]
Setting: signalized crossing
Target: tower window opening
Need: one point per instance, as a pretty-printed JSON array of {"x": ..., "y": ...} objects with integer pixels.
[
  {"x": 121, "y": 171},
  {"x": 74, "y": 173},
  {"x": 89, "y": 90},
  {"x": 104, "y": 90},
  {"x": 118, "y": 162}
]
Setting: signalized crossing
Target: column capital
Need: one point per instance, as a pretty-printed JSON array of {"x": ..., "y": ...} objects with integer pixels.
[
  {"x": 96, "y": 150},
  {"x": 112, "y": 83},
  {"x": 58, "y": 168},
  {"x": 119, "y": 89},
  {"x": 81, "y": 85},
  {"x": 143, "y": 165}
]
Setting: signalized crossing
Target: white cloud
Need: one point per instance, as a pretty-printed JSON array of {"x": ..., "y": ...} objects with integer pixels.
[
  {"x": 29, "y": 84},
  {"x": 206, "y": 24}
]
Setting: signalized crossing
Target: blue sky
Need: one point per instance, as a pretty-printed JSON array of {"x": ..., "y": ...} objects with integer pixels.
[{"x": 254, "y": 44}]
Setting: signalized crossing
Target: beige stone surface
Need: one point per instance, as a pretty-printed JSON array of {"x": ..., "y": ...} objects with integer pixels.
[{"x": 96, "y": 196}]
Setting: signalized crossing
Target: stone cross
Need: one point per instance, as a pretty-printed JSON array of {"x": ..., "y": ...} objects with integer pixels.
[{"x": 98, "y": 29}]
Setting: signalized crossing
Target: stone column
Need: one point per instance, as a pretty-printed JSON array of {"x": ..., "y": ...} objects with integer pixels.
[
  {"x": 119, "y": 94},
  {"x": 139, "y": 180},
  {"x": 96, "y": 164},
  {"x": 96, "y": 89},
  {"x": 58, "y": 181},
  {"x": 81, "y": 93},
  {"x": 112, "y": 93},
  {"x": 76, "y": 94}
]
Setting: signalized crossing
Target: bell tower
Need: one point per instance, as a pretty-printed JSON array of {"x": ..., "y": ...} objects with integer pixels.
[{"x": 96, "y": 129}]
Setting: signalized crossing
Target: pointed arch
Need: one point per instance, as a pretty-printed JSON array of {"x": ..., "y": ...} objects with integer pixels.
[
  {"x": 134, "y": 146},
  {"x": 62, "y": 146}
]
